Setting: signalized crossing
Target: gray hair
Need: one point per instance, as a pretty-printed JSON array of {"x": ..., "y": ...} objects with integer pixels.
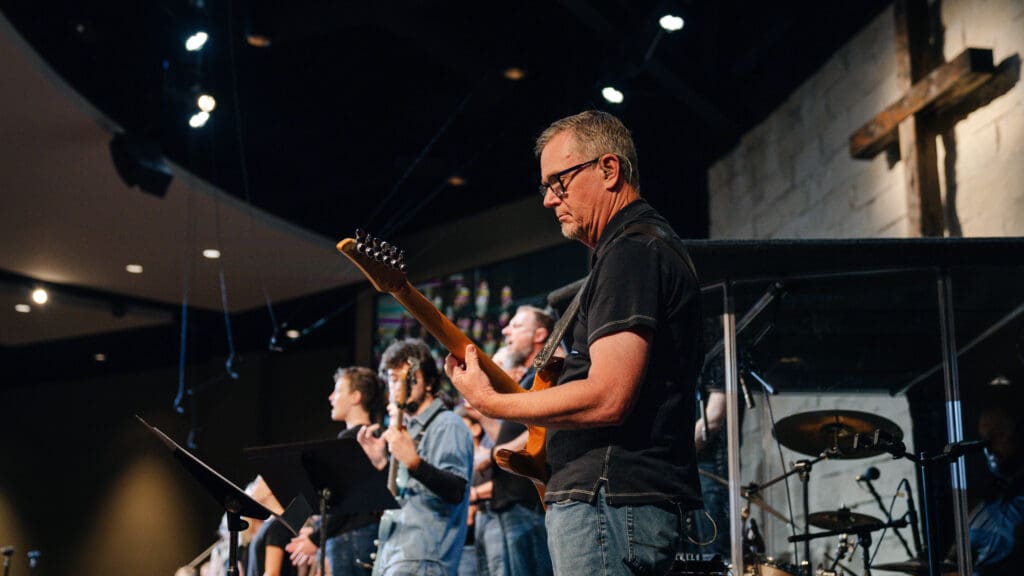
[{"x": 595, "y": 133}]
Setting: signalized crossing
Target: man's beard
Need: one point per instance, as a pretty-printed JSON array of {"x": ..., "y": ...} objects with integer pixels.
[
  {"x": 573, "y": 230},
  {"x": 517, "y": 357}
]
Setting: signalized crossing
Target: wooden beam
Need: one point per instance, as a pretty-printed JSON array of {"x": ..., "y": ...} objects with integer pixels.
[{"x": 942, "y": 87}]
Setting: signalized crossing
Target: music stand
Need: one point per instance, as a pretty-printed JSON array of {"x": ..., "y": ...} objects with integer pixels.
[
  {"x": 234, "y": 500},
  {"x": 336, "y": 473}
]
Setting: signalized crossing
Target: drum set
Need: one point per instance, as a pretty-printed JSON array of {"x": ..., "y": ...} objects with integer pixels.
[{"x": 833, "y": 435}]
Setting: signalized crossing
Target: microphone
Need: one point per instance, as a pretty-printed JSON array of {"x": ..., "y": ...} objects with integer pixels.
[
  {"x": 870, "y": 474},
  {"x": 958, "y": 449}
]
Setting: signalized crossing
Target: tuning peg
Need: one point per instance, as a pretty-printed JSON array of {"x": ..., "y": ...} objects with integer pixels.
[
  {"x": 360, "y": 234},
  {"x": 385, "y": 247}
]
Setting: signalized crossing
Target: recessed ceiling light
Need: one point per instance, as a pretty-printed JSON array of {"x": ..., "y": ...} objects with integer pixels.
[
  {"x": 258, "y": 41},
  {"x": 211, "y": 253},
  {"x": 23, "y": 308},
  {"x": 39, "y": 296},
  {"x": 134, "y": 268},
  {"x": 671, "y": 22},
  {"x": 1000, "y": 380},
  {"x": 514, "y": 73},
  {"x": 293, "y": 334},
  {"x": 99, "y": 357}
]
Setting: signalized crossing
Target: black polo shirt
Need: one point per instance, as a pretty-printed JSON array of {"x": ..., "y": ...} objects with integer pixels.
[{"x": 637, "y": 280}]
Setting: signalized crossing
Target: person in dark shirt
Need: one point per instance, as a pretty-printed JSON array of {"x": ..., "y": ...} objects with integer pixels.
[
  {"x": 515, "y": 540},
  {"x": 997, "y": 524},
  {"x": 357, "y": 400},
  {"x": 621, "y": 417}
]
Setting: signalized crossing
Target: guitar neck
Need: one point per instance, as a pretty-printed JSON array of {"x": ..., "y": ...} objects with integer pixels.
[{"x": 451, "y": 337}]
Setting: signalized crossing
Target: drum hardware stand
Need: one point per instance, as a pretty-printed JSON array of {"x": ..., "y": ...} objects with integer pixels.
[
  {"x": 888, "y": 518},
  {"x": 924, "y": 463},
  {"x": 863, "y": 534},
  {"x": 803, "y": 468}
]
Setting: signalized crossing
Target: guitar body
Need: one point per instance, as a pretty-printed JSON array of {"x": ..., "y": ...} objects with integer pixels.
[
  {"x": 531, "y": 461},
  {"x": 384, "y": 267}
]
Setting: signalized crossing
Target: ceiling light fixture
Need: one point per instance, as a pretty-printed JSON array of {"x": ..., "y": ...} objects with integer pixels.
[
  {"x": 99, "y": 357},
  {"x": 293, "y": 334},
  {"x": 612, "y": 95},
  {"x": 258, "y": 41},
  {"x": 671, "y": 23},
  {"x": 211, "y": 253},
  {"x": 40, "y": 296},
  {"x": 514, "y": 73},
  {"x": 206, "y": 102},
  {"x": 195, "y": 42},
  {"x": 456, "y": 181},
  {"x": 22, "y": 308},
  {"x": 134, "y": 268},
  {"x": 198, "y": 120}
]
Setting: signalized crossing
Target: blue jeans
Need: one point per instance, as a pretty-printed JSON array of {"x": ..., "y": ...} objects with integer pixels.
[
  {"x": 345, "y": 549},
  {"x": 514, "y": 543},
  {"x": 596, "y": 539}
]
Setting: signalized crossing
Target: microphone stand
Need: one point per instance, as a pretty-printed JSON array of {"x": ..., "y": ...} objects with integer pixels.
[
  {"x": 888, "y": 517},
  {"x": 7, "y": 551},
  {"x": 803, "y": 468}
]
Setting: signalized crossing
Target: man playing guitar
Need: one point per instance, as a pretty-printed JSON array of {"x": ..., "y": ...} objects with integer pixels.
[
  {"x": 434, "y": 450},
  {"x": 621, "y": 417}
]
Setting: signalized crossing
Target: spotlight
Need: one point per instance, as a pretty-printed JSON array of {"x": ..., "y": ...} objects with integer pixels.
[
  {"x": 671, "y": 23},
  {"x": 206, "y": 102},
  {"x": 196, "y": 41},
  {"x": 22, "y": 308},
  {"x": 39, "y": 296},
  {"x": 198, "y": 120},
  {"x": 99, "y": 357},
  {"x": 612, "y": 95},
  {"x": 211, "y": 253},
  {"x": 134, "y": 268},
  {"x": 456, "y": 181},
  {"x": 293, "y": 334}
]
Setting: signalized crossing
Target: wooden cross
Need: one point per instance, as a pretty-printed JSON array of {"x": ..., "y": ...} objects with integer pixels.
[{"x": 929, "y": 89}]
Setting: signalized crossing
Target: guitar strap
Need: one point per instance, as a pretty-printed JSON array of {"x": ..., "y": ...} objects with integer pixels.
[
  {"x": 559, "y": 330},
  {"x": 562, "y": 325}
]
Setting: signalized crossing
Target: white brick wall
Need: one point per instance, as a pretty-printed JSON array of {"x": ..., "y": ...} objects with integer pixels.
[{"x": 792, "y": 176}]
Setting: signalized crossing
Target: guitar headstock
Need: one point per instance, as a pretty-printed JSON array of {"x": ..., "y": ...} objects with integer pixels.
[{"x": 382, "y": 263}]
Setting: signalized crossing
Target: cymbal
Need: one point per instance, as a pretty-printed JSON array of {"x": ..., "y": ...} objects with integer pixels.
[
  {"x": 812, "y": 433},
  {"x": 914, "y": 567},
  {"x": 841, "y": 519}
]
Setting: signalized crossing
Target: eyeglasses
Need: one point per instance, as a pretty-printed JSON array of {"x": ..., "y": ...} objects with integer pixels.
[{"x": 555, "y": 183}]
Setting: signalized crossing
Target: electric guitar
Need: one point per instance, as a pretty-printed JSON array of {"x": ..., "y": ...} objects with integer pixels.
[{"x": 384, "y": 266}]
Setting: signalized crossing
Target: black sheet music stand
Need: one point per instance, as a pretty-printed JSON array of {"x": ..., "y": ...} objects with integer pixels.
[
  {"x": 234, "y": 500},
  {"x": 336, "y": 473}
]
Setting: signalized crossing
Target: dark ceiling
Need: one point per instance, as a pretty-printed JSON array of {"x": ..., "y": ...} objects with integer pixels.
[{"x": 359, "y": 112}]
